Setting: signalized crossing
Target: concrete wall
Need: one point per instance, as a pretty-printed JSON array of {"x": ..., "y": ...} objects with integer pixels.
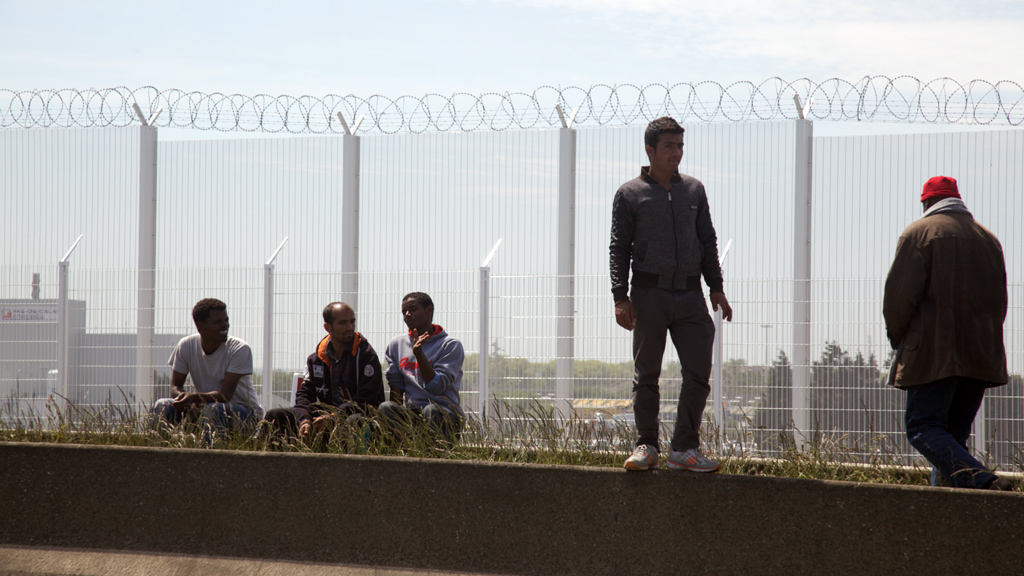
[{"x": 493, "y": 518}]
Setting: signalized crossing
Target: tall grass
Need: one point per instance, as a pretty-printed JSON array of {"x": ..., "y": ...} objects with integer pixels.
[{"x": 530, "y": 433}]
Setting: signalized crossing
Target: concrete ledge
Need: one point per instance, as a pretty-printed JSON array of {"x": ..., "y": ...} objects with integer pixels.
[{"x": 491, "y": 518}]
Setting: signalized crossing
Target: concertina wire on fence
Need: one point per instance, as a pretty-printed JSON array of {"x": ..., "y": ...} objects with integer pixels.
[{"x": 873, "y": 98}]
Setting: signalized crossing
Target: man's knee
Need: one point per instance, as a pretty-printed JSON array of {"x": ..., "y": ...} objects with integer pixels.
[
  {"x": 695, "y": 383},
  {"x": 163, "y": 408}
]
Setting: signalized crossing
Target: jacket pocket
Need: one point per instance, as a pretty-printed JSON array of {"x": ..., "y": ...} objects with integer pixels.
[
  {"x": 640, "y": 251},
  {"x": 912, "y": 341}
]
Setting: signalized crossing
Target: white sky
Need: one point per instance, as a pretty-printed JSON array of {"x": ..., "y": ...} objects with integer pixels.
[{"x": 395, "y": 47}]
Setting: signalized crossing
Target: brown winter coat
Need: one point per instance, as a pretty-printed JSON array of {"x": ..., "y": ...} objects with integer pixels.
[{"x": 945, "y": 298}]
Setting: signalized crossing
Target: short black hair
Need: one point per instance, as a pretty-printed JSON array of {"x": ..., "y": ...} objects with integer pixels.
[
  {"x": 659, "y": 126},
  {"x": 421, "y": 297},
  {"x": 201, "y": 311},
  {"x": 329, "y": 310}
]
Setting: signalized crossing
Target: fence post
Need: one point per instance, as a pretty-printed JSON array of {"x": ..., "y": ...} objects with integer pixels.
[
  {"x": 62, "y": 320},
  {"x": 802, "y": 180},
  {"x": 268, "y": 328},
  {"x": 565, "y": 286},
  {"x": 485, "y": 333},
  {"x": 146, "y": 290},
  {"x": 717, "y": 408},
  {"x": 350, "y": 213}
]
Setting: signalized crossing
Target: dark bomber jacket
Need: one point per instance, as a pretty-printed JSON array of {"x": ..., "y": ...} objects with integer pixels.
[
  {"x": 361, "y": 382},
  {"x": 666, "y": 234}
]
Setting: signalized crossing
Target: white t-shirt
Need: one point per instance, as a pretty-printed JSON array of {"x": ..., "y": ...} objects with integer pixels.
[{"x": 207, "y": 370}]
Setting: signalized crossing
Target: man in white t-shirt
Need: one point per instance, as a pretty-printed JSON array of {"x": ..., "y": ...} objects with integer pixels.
[{"x": 220, "y": 367}]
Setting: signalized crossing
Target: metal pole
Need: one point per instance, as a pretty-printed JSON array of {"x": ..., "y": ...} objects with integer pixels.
[
  {"x": 146, "y": 291},
  {"x": 717, "y": 408},
  {"x": 802, "y": 175},
  {"x": 485, "y": 332},
  {"x": 62, "y": 320},
  {"x": 62, "y": 326},
  {"x": 484, "y": 375},
  {"x": 350, "y": 214},
  {"x": 717, "y": 381},
  {"x": 268, "y": 328},
  {"x": 565, "y": 283}
]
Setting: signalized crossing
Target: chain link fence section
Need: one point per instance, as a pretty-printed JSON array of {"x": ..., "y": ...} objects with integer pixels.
[{"x": 872, "y": 98}]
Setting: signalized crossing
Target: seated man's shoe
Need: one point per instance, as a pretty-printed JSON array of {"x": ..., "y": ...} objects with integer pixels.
[{"x": 1003, "y": 484}]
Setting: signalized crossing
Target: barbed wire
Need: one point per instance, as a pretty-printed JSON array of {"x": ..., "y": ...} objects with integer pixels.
[{"x": 872, "y": 98}]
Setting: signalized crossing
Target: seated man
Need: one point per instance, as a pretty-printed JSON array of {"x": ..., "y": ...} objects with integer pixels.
[
  {"x": 342, "y": 378},
  {"x": 424, "y": 370},
  {"x": 221, "y": 371}
]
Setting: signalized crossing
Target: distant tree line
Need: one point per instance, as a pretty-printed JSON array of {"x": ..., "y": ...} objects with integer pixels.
[
  {"x": 850, "y": 403},
  {"x": 849, "y": 400}
]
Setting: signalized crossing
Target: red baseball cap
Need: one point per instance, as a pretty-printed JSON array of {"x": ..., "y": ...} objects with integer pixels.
[{"x": 940, "y": 187}]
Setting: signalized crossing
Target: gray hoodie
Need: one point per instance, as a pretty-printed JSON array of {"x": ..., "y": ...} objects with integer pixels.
[{"x": 445, "y": 354}]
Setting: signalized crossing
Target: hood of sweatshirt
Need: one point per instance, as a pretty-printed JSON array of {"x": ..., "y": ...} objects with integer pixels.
[{"x": 321, "y": 349}]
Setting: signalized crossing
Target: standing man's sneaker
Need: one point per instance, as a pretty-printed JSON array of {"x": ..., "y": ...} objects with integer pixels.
[
  {"x": 691, "y": 460},
  {"x": 644, "y": 457}
]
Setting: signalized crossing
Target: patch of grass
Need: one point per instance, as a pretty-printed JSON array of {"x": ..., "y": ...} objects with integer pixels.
[{"x": 530, "y": 434}]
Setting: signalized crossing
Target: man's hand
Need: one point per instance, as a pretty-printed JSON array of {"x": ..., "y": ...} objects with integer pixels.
[
  {"x": 718, "y": 299},
  {"x": 305, "y": 429},
  {"x": 182, "y": 401},
  {"x": 418, "y": 340},
  {"x": 426, "y": 370},
  {"x": 625, "y": 315},
  {"x": 323, "y": 423}
]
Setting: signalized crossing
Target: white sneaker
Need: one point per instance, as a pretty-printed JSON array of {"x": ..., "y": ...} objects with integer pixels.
[
  {"x": 644, "y": 457},
  {"x": 691, "y": 460}
]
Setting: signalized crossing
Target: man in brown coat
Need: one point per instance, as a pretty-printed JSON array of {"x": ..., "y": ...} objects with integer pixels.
[{"x": 945, "y": 303}]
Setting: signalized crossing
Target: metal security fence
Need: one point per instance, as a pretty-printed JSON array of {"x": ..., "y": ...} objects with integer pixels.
[{"x": 277, "y": 228}]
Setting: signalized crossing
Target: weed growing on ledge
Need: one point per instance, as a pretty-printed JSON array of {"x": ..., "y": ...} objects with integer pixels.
[{"x": 528, "y": 433}]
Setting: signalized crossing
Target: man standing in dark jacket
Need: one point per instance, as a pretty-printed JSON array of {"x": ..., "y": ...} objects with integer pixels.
[
  {"x": 944, "y": 307},
  {"x": 661, "y": 224},
  {"x": 342, "y": 378}
]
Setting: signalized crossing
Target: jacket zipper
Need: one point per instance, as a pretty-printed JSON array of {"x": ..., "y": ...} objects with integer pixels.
[{"x": 675, "y": 238}]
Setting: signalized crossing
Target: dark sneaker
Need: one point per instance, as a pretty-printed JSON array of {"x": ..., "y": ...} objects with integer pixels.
[
  {"x": 691, "y": 460},
  {"x": 644, "y": 457},
  {"x": 1001, "y": 484}
]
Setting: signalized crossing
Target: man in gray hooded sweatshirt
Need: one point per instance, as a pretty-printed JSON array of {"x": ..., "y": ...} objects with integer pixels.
[
  {"x": 424, "y": 370},
  {"x": 944, "y": 307}
]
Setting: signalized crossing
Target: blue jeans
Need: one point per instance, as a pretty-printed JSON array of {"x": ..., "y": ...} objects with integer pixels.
[
  {"x": 447, "y": 422},
  {"x": 938, "y": 422},
  {"x": 221, "y": 416}
]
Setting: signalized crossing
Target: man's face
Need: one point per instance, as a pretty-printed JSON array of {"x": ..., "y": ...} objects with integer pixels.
[
  {"x": 416, "y": 315},
  {"x": 214, "y": 328},
  {"x": 342, "y": 327},
  {"x": 665, "y": 157}
]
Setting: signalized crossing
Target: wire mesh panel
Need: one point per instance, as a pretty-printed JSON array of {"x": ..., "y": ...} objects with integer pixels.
[
  {"x": 441, "y": 201},
  {"x": 431, "y": 207},
  {"x": 866, "y": 191},
  {"x": 57, "y": 185}
]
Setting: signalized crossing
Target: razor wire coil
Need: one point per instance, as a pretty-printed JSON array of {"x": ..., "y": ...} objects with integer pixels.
[{"x": 873, "y": 98}]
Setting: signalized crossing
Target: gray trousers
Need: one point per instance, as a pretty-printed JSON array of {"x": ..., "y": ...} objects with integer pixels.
[{"x": 684, "y": 315}]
